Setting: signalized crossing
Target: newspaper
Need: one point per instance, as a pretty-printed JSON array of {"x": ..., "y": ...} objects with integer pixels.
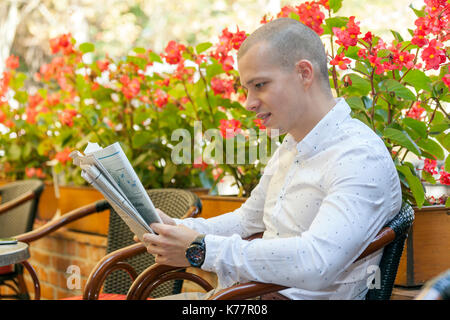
[{"x": 109, "y": 171}]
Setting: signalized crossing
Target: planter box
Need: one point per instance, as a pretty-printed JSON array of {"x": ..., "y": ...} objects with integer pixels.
[{"x": 427, "y": 248}]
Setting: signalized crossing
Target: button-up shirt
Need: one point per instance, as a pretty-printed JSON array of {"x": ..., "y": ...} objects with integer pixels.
[{"x": 320, "y": 202}]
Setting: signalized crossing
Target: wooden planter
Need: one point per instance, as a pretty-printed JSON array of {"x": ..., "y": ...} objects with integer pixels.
[{"x": 427, "y": 249}]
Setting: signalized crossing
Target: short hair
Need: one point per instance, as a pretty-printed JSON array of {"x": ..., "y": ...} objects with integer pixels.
[{"x": 293, "y": 41}]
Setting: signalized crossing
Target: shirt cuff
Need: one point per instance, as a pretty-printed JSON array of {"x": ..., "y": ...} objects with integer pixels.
[{"x": 212, "y": 245}]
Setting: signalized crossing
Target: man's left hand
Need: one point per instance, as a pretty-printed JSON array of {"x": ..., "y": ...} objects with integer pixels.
[{"x": 170, "y": 244}]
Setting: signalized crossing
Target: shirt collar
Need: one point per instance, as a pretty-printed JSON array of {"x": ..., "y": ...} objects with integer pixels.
[{"x": 326, "y": 127}]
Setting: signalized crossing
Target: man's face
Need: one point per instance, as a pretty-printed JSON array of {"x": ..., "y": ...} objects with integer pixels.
[{"x": 274, "y": 93}]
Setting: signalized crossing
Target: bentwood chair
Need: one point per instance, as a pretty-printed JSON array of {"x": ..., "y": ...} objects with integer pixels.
[
  {"x": 125, "y": 258},
  {"x": 391, "y": 238},
  {"x": 18, "y": 209}
]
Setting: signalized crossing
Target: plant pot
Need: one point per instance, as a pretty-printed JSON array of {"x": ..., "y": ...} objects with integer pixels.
[
  {"x": 216, "y": 205},
  {"x": 427, "y": 248}
]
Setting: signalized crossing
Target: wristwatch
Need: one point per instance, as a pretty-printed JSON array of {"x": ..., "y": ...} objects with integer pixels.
[{"x": 196, "y": 251}]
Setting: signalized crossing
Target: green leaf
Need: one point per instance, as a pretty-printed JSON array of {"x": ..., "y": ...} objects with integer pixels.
[
  {"x": 414, "y": 184},
  {"x": 154, "y": 57},
  {"x": 359, "y": 85},
  {"x": 417, "y": 126},
  {"x": 447, "y": 164},
  {"x": 397, "y": 36},
  {"x": 213, "y": 69},
  {"x": 399, "y": 89},
  {"x": 203, "y": 47},
  {"x": 428, "y": 177},
  {"x": 140, "y": 62},
  {"x": 140, "y": 138},
  {"x": 447, "y": 202},
  {"x": 335, "y": 5},
  {"x": 139, "y": 50},
  {"x": 432, "y": 147},
  {"x": 401, "y": 138},
  {"x": 87, "y": 47},
  {"x": 334, "y": 22},
  {"x": 21, "y": 96},
  {"x": 355, "y": 103},
  {"x": 419, "y": 13},
  {"x": 419, "y": 80},
  {"x": 14, "y": 152},
  {"x": 169, "y": 172},
  {"x": 294, "y": 16},
  {"x": 17, "y": 81}
]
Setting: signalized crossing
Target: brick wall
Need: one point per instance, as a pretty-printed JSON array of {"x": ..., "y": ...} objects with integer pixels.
[{"x": 52, "y": 255}]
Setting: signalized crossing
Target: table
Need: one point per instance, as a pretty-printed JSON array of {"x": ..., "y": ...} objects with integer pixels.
[{"x": 19, "y": 253}]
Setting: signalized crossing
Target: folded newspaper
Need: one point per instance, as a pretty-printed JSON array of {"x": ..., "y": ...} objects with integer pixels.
[{"x": 109, "y": 171}]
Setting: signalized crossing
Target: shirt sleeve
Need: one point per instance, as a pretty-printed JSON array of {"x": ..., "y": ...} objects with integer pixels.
[{"x": 355, "y": 208}]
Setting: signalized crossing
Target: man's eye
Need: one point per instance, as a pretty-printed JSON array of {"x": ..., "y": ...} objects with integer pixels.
[{"x": 259, "y": 85}]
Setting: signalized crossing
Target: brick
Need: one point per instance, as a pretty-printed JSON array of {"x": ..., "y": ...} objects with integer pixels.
[
  {"x": 61, "y": 263},
  {"x": 47, "y": 292}
]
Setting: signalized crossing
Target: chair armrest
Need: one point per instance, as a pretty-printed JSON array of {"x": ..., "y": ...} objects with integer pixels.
[
  {"x": 111, "y": 262},
  {"x": 5, "y": 207},
  {"x": 246, "y": 290},
  {"x": 157, "y": 274},
  {"x": 67, "y": 218},
  {"x": 253, "y": 289}
]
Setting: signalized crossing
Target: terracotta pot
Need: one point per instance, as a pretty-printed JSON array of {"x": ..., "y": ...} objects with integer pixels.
[{"x": 427, "y": 248}]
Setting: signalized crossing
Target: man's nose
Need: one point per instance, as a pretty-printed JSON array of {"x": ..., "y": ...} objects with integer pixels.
[{"x": 251, "y": 103}]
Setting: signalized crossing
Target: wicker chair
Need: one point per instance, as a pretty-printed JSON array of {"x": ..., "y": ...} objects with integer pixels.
[
  {"x": 18, "y": 209},
  {"x": 391, "y": 238},
  {"x": 122, "y": 252}
]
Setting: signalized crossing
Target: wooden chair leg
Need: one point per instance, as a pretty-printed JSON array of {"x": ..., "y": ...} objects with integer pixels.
[{"x": 22, "y": 286}]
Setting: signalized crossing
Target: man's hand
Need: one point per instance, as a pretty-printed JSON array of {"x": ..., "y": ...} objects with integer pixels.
[
  {"x": 170, "y": 244},
  {"x": 165, "y": 219}
]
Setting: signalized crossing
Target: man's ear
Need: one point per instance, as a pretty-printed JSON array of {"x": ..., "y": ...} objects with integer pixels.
[{"x": 305, "y": 70}]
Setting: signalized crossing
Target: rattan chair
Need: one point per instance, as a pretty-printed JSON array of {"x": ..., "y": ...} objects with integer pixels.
[
  {"x": 18, "y": 210},
  {"x": 123, "y": 254},
  {"x": 391, "y": 238}
]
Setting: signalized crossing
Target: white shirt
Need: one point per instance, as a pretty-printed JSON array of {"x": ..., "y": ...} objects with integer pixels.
[{"x": 320, "y": 202}]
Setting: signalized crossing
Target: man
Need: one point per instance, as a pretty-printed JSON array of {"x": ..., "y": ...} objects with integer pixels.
[{"x": 324, "y": 195}]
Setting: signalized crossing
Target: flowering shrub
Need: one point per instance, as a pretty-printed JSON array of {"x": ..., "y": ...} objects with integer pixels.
[{"x": 397, "y": 88}]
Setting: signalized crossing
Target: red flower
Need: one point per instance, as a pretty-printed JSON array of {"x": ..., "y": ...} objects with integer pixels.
[
  {"x": 31, "y": 172},
  {"x": 31, "y": 114},
  {"x": 340, "y": 61},
  {"x": 430, "y": 166},
  {"x": 347, "y": 36},
  {"x": 309, "y": 13},
  {"x": 433, "y": 55},
  {"x": 174, "y": 52},
  {"x": 446, "y": 78},
  {"x": 258, "y": 123},
  {"x": 131, "y": 88},
  {"x": 12, "y": 62},
  {"x": 66, "y": 117},
  {"x": 229, "y": 128},
  {"x": 416, "y": 112},
  {"x": 62, "y": 43},
  {"x": 2, "y": 116},
  {"x": 222, "y": 87},
  {"x": 202, "y": 165},
  {"x": 63, "y": 156},
  {"x": 103, "y": 64},
  {"x": 444, "y": 178},
  {"x": 161, "y": 98}
]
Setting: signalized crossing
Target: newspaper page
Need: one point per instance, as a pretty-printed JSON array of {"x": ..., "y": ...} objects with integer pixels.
[{"x": 110, "y": 172}]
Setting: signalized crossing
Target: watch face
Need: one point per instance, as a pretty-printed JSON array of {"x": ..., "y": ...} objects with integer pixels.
[{"x": 195, "y": 255}]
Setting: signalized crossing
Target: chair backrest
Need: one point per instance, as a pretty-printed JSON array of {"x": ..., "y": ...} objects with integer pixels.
[
  {"x": 390, "y": 259},
  {"x": 175, "y": 203},
  {"x": 21, "y": 218}
]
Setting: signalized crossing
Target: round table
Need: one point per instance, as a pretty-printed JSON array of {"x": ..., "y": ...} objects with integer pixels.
[
  {"x": 19, "y": 253},
  {"x": 13, "y": 253}
]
